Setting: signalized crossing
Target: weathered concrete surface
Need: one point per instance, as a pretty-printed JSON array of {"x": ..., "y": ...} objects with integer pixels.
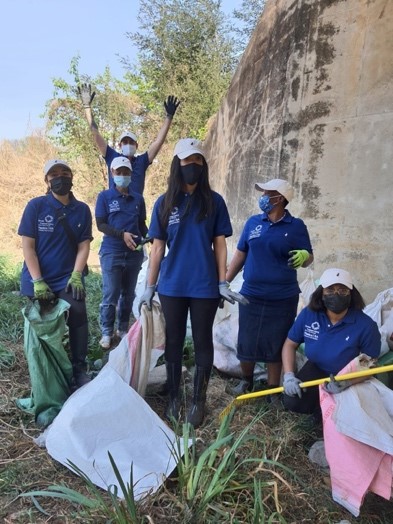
[{"x": 312, "y": 102}]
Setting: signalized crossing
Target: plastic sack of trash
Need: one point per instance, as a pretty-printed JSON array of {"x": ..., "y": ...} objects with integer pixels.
[
  {"x": 225, "y": 331},
  {"x": 381, "y": 311},
  {"x": 50, "y": 369},
  {"x": 107, "y": 415},
  {"x": 307, "y": 288}
]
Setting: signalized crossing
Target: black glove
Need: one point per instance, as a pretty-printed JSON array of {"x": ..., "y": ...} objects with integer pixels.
[
  {"x": 171, "y": 104},
  {"x": 86, "y": 95}
]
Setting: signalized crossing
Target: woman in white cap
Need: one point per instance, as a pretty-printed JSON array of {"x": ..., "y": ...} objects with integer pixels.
[
  {"x": 334, "y": 330},
  {"x": 192, "y": 221},
  {"x": 121, "y": 216},
  {"x": 56, "y": 234},
  {"x": 272, "y": 246}
]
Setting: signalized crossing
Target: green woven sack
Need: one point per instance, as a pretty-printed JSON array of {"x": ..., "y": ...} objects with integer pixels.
[{"x": 50, "y": 369}]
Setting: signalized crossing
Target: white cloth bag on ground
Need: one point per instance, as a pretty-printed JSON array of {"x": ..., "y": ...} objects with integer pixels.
[{"x": 108, "y": 415}]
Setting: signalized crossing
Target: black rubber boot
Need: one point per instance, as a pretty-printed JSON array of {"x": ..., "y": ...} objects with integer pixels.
[
  {"x": 197, "y": 412},
  {"x": 173, "y": 376},
  {"x": 78, "y": 347},
  {"x": 245, "y": 385}
]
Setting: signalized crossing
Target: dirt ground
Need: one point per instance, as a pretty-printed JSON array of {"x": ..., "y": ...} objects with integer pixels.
[{"x": 287, "y": 436}]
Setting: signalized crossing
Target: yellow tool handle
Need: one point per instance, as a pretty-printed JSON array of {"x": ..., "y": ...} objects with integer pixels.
[{"x": 317, "y": 382}]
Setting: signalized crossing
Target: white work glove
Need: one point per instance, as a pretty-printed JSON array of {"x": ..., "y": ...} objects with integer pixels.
[
  {"x": 291, "y": 385},
  {"x": 232, "y": 297},
  {"x": 147, "y": 297}
]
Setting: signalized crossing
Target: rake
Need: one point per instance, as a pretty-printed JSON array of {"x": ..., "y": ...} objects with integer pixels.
[{"x": 355, "y": 374}]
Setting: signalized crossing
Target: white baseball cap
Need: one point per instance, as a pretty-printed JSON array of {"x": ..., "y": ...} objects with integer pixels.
[
  {"x": 277, "y": 184},
  {"x": 336, "y": 276},
  {"x": 55, "y": 162},
  {"x": 187, "y": 147},
  {"x": 130, "y": 134},
  {"x": 121, "y": 161}
]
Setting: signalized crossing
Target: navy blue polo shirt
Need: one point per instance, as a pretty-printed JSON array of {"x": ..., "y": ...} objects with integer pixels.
[
  {"x": 267, "y": 244},
  {"x": 189, "y": 267},
  {"x": 139, "y": 166},
  {"x": 56, "y": 254},
  {"x": 332, "y": 347},
  {"x": 122, "y": 212}
]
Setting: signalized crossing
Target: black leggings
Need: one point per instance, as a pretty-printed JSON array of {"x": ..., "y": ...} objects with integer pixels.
[
  {"x": 78, "y": 327},
  {"x": 202, "y": 313}
]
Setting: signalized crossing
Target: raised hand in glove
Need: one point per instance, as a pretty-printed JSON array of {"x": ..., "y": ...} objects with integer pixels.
[
  {"x": 227, "y": 294},
  {"x": 336, "y": 386},
  {"x": 291, "y": 385},
  {"x": 76, "y": 285},
  {"x": 147, "y": 297},
  {"x": 297, "y": 257},
  {"x": 86, "y": 95},
  {"x": 42, "y": 291},
  {"x": 171, "y": 104}
]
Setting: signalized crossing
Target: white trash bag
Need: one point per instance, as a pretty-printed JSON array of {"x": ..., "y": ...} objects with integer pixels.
[{"x": 381, "y": 311}]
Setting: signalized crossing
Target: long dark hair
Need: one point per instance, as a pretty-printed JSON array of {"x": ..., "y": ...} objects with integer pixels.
[
  {"x": 202, "y": 193},
  {"x": 316, "y": 303}
]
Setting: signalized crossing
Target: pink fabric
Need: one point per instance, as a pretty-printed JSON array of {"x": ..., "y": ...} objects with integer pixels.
[
  {"x": 355, "y": 468},
  {"x": 134, "y": 341}
]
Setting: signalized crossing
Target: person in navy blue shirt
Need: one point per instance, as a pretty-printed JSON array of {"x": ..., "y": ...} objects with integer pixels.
[
  {"x": 54, "y": 262},
  {"x": 192, "y": 222},
  {"x": 334, "y": 330},
  {"x": 272, "y": 246},
  {"x": 121, "y": 216},
  {"x": 128, "y": 142}
]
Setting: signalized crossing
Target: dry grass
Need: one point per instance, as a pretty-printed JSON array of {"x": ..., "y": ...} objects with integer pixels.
[{"x": 300, "y": 498}]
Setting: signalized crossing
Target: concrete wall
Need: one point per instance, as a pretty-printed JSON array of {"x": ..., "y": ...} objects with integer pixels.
[{"x": 311, "y": 102}]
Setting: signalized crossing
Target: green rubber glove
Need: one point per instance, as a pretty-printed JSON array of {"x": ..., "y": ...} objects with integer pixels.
[
  {"x": 76, "y": 285},
  {"x": 297, "y": 257},
  {"x": 143, "y": 242},
  {"x": 42, "y": 291}
]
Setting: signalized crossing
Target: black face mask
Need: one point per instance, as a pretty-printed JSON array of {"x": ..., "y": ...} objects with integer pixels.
[
  {"x": 191, "y": 173},
  {"x": 336, "y": 303},
  {"x": 61, "y": 185}
]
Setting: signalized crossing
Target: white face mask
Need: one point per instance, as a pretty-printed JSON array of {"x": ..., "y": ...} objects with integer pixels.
[{"x": 128, "y": 149}]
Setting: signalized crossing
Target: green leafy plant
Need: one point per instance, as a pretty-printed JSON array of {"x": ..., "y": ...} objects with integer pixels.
[
  {"x": 118, "y": 511},
  {"x": 209, "y": 480}
]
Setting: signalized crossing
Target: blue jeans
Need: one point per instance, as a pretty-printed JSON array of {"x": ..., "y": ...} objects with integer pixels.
[{"x": 119, "y": 277}]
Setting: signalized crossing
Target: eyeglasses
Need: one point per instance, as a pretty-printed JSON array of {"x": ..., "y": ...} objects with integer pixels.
[
  {"x": 271, "y": 196},
  {"x": 342, "y": 292}
]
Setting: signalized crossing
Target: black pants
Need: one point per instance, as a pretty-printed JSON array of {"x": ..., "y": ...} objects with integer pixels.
[
  {"x": 309, "y": 403},
  {"x": 78, "y": 328},
  {"x": 202, "y": 313}
]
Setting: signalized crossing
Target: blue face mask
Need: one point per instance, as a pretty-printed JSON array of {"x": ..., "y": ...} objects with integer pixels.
[
  {"x": 265, "y": 205},
  {"x": 121, "y": 180}
]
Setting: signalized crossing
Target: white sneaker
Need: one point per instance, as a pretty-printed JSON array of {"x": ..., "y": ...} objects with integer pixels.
[
  {"x": 121, "y": 334},
  {"x": 106, "y": 341}
]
